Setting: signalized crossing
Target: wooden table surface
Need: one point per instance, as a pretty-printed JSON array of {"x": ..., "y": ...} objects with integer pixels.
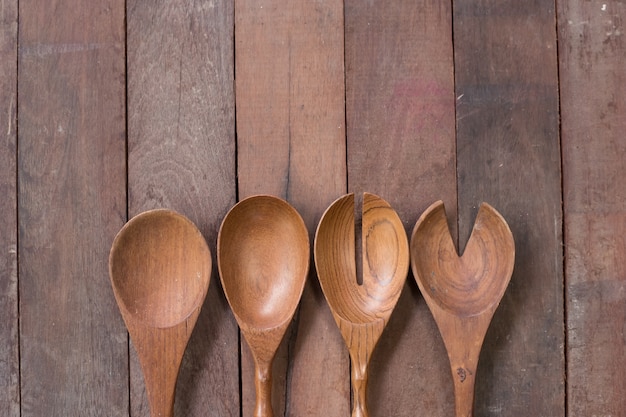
[{"x": 112, "y": 107}]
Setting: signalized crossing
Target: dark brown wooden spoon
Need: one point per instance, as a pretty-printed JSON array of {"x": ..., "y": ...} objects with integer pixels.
[
  {"x": 160, "y": 267},
  {"x": 361, "y": 310},
  {"x": 263, "y": 259},
  {"x": 462, "y": 292}
]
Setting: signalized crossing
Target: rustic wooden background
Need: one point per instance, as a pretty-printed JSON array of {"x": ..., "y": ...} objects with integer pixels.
[{"x": 112, "y": 107}]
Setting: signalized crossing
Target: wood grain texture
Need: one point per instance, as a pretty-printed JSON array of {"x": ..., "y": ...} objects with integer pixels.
[
  {"x": 462, "y": 291},
  {"x": 181, "y": 152},
  {"x": 73, "y": 345},
  {"x": 400, "y": 121},
  {"x": 291, "y": 144},
  {"x": 9, "y": 348},
  {"x": 69, "y": 166},
  {"x": 508, "y": 155},
  {"x": 160, "y": 269},
  {"x": 263, "y": 257},
  {"x": 593, "y": 86},
  {"x": 362, "y": 305}
]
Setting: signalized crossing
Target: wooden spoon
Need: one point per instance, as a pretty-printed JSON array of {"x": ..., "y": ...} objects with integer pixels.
[
  {"x": 462, "y": 292},
  {"x": 361, "y": 310},
  {"x": 160, "y": 268},
  {"x": 263, "y": 259}
]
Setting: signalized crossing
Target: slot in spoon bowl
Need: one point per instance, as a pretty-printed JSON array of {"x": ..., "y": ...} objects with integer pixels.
[{"x": 361, "y": 310}]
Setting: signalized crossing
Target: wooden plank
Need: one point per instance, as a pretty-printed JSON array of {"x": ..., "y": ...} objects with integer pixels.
[
  {"x": 182, "y": 156},
  {"x": 401, "y": 146},
  {"x": 9, "y": 348},
  {"x": 593, "y": 119},
  {"x": 73, "y": 346},
  {"x": 508, "y": 155},
  {"x": 291, "y": 143}
]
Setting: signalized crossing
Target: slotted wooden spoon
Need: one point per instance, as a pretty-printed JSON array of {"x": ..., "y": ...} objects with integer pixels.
[
  {"x": 361, "y": 310},
  {"x": 160, "y": 267},
  {"x": 263, "y": 259},
  {"x": 462, "y": 292}
]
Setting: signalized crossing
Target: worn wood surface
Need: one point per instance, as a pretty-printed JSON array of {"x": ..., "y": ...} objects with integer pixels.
[
  {"x": 9, "y": 347},
  {"x": 508, "y": 155},
  {"x": 181, "y": 155},
  {"x": 593, "y": 120},
  {"x": 144, "y": 91},
  {"x": 71, "y": 203},
  {"x": 400, "y": 138},
  {"x": 291, "y": 143}
]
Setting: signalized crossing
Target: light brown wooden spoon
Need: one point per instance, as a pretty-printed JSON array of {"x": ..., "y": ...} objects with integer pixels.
[
  {"x": 462, "y": 292},
  {"x": 361, "y": 310},
  {"x": 160, "y": 267},
  {"x": 263, "y": 259}
]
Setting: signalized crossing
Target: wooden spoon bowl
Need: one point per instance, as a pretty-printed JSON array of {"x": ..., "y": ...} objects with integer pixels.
[
  {"x": 160, "y": 267},
  {"x": 361, "y": 310},
  {"x": 263, "y": 258},
  {"x": 462, "y": 292}
]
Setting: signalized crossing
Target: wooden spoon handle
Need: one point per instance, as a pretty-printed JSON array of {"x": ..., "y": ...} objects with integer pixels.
[
  {"x": 359, "y": 387},
  {"x": 160, "y": 354},
  {"x": 463, "y": 353},
  {"x": 464, "y": 380},
  {"x": 161, "y": 406},
  {"x": 263, "y": 389}
]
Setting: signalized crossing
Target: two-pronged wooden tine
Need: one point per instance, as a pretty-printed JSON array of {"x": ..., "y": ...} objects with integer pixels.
[{"x": 462, "y": 292}]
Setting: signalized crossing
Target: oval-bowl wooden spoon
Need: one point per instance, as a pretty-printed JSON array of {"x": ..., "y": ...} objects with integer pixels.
[
  {"x": 160, "y": 267},
  {"x": 361, "y": 310},
  {"x": 462, "y": 292},
  {"x": 263, "y": 260}
]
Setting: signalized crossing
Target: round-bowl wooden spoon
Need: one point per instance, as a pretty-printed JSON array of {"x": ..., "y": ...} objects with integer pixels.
[
  {"x": 361, "y": 310},
  {"x": 160, "y": 267},
  {"x": 263, "y": 260},
  {"x": 462, "y": 292}
]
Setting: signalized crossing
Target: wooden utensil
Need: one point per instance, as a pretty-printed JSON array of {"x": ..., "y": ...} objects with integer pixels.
[
  {"x": 361, "y": 310},
  {"x": 160, "y": 267},
  {"x": 462, "y": 292},
  {"x": 263, "y": 259}
]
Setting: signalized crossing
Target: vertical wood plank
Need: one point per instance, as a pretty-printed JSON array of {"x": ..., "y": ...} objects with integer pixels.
[
  {"x": 182, "y": 156},
  {"x": 508, "y": 155},
  {"x": 593, "y": 120},
  {"x": 73, "y": 345},
  {"x": 291, "y": 143},
  {"x": 9, "y": 348},
  {"x": 401, "y": 146}
]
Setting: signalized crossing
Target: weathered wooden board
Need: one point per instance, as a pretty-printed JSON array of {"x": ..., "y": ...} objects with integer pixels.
[
  {"x": 593, "y": 121},
  {"x": 294, "y": 139},
  {"x": 291, "y": 143},
  {"x": 181, "y": 155},
  {"x": 9, "y": 347},
  {"x": 73, "y": 349},
  {"x": 508, "y": 155},
  {"x": 401, "y": 146}
]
